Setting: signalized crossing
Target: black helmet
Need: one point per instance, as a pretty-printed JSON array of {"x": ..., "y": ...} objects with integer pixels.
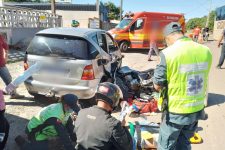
[
  {"x": 110, "y": 93},
  {"x": 71, "y": 100}
]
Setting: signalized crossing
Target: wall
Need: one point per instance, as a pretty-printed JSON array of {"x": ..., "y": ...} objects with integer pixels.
[
  {"x": 81, "y": 16},
  {"x": 219, "y": 26},
  {"x": 15, "y": 35}
]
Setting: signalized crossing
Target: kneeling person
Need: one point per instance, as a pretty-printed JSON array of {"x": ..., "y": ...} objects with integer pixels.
[
  {"x": 95, "y": 127},
  {"x": 50, "y": 123}
]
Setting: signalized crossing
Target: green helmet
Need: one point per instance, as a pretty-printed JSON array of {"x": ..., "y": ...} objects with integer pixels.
[{"x": 109, "y": 93}]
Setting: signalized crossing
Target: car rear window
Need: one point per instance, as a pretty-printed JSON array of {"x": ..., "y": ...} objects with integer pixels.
[{"x": 59, "y": 46}]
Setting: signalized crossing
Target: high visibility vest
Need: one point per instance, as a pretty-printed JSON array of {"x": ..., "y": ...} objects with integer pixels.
[
  {"x": 188, "y": 64},
  {"x": 54, "y": 110}
]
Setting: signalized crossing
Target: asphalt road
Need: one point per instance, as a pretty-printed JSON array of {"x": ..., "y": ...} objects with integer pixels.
[{"x": 212, "y": 130}]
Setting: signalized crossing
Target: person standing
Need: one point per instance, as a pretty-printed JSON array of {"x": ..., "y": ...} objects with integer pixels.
[
  {"x": 4, "y": 124},
  {"x": 153, "y": 44},
  {"x": 50, "y": 124},
  {"x": 4, "y": 72},
  {"x": 197, "y": 32},
  {"x": 222, "y": 56},
  {"x": 181, "y": 77},
  {"x": 96, "y": 129}
]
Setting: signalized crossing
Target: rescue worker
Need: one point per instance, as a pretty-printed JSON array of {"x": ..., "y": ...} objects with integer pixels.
[
  {"x": 222, "y": 56},
  {"x": 95, "y": 127},
  {"x": 49, "y": 125},
  {"x": 181, "y": 77}
]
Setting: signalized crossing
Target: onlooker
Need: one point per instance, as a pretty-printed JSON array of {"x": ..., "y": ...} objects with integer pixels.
[
  {"x": 222, "y": 56},
  {"x": 153, "y": 44},
  {"x": 197, "y": 32},
  {"x": 96, "y": 129},
  {"x": 51, "y": 124},
  {"x": 4, "y": 125},
  {"x": 4, "y": 72},
  {"x": 183, "y": 88}
]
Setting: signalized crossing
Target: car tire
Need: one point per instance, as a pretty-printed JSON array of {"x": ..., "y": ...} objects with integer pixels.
[
  {"x": 86, "y": 103},
  {"x": 124, "y": 46}
]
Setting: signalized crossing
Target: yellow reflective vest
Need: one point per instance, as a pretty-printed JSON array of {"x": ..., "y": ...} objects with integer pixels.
[{"x": 188, "y": 64}]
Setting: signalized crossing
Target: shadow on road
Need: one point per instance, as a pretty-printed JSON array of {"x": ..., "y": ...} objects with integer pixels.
[
  {"x": 17, "y": 127},
  {"x": 142, "y": 51},
  {"x": 215, "y": 99},
  {"x": 30, "y": 101}
]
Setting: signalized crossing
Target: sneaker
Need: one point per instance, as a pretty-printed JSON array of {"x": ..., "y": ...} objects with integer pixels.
[
  {"x": 150, "y": 59},
  {"x": 16, "y": 96},
  {"x": 218, "y": 67},
  {"x": 20, "y": 141}
]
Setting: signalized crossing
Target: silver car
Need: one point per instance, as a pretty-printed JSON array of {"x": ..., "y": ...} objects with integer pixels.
[{"x": 75, "y": 61}]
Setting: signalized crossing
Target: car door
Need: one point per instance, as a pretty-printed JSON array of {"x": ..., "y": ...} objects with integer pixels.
[
  {"x": 137, "y": 34},
  {"x": 114, "y": 52},
  {"x": 102, "y": 41}
]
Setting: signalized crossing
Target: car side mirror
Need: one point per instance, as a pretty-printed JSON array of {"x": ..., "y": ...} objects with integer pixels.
[
  {"x": 113, "y": 48},
  {"x": 102, "y": 62},
  {"x": 94, "y": 54}
]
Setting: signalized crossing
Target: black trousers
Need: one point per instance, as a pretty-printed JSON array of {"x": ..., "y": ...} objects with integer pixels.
[
  {"x": 4, "y": 128},
  {"x": 222, "y": 56}
]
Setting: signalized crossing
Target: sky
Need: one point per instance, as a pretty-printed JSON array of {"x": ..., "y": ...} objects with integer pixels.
[{"x": 191, "y": 8}]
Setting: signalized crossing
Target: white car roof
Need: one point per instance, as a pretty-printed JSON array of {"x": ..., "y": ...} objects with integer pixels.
[{"x": 78, "y": 32}]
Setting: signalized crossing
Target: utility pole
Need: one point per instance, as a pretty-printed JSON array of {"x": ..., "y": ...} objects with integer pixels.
[
  {"x": 53, "y": 7},
  {"x": 121, "y": 9},
  {"x": 97, "y": 5},
  {"x": 1, "y": 3},
  {"x": 208, "y": 17}
]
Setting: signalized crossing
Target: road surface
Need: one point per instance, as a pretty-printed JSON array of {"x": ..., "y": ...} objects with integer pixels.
[{"x": 212, "y": 130}]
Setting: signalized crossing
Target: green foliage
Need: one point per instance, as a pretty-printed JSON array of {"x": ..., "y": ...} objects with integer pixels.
[
  {"x": 212, "y": 19},
  {"x": 114, "y": 11},
  {"x": 201, "y": 22}
]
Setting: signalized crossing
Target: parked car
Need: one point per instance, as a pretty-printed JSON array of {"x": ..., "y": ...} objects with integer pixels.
[{"x": 75, "y": 61}]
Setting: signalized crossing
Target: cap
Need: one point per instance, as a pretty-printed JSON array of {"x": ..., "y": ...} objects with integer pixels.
[
  {"x": 71, "y": 101},
  {"x": 172, "y": 27}
]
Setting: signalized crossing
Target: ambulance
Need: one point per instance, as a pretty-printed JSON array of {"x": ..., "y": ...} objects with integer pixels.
[{"x": 134, "y": 30}]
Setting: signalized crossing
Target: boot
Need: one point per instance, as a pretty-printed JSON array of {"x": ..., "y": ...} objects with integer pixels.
[{"x": 20, "y": 141}]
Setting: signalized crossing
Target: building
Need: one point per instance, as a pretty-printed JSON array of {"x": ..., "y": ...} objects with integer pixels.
[
  {"x": 219, "y": 24},
  {"x": 88, "y": 15}
]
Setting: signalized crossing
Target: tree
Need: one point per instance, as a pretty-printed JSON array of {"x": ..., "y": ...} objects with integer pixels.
[
  {"x": 114, "y": 11},
  {"x": 201, "y": 22}
]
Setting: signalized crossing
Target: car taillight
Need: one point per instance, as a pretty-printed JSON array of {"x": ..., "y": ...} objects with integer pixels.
[
  {"x": 25, "y": 65},
  {"x": 88, "y": 73}
]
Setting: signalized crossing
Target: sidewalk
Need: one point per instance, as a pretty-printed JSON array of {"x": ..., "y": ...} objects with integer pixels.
[{"x": 15, "y": 55}]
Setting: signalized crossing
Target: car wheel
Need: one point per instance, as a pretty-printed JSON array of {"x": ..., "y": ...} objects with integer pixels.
[
  {"x": 124, "y": 46},
  {"x": 86, "y": 103}
]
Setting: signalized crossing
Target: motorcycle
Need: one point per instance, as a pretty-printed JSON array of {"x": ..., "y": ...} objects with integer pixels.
[{"x": 133, "y": 83}]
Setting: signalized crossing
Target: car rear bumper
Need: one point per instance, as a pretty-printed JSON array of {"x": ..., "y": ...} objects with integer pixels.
[{"x": 83, "y": 92}]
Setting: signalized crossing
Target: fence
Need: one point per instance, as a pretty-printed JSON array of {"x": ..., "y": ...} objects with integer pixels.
[{"x": 18, "y": 17}]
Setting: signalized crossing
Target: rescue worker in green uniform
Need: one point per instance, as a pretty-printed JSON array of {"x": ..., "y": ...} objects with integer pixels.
[
  {"x": 181, "y": 77},
  {"x": 50, "y": 123}
]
